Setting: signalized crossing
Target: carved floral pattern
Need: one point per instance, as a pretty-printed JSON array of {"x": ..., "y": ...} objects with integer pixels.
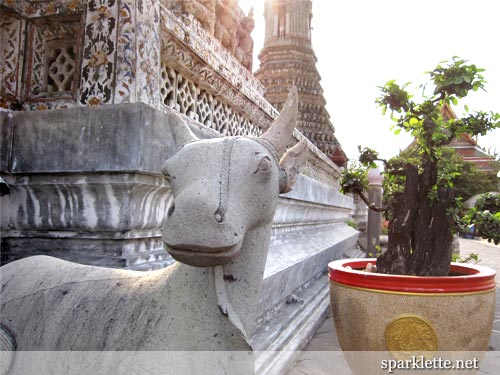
[
  {"x": 125, "y": 90},
  {"x": 148, "y": 51},
  {"x": 41, "y": 8},
  {"x": 98, "y": 66},
  {"x": 11, "y": 54}
]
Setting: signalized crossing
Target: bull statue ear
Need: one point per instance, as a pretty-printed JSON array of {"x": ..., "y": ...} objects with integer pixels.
[
  {"x": 280, "y": 132},
  {"x": 291, "y": 163},
  {"x": 180, "y": 130}
]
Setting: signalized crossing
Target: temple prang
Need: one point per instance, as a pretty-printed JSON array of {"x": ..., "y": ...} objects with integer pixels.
[{"x": 287, "y": 59}]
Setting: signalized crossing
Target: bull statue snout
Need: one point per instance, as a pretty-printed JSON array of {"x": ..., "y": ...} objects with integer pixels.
[{"x": 224, "y": 187}]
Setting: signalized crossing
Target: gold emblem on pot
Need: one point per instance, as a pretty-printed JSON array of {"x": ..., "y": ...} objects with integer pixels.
[{"x": 410, "y": 335}]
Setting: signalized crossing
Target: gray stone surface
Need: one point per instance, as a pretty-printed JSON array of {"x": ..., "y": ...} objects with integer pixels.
[
  {"x": 278, "y": 340},
  {"x": 123, "y": 137},
  {"x": 309, "y": 230},
  {"x": 102, "y": 219},
  {"x": 5, "y": 140},
  {"x": 299, "y": 258},
  {"x": 86, "y": 184}
]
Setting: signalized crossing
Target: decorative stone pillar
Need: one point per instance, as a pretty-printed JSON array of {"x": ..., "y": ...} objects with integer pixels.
[
  {"x": 374, "y": 218},
  {"x": 121, "y": 54}
]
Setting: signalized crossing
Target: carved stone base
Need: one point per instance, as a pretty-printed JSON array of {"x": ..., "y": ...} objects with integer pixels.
[
  {"x": 86, "y": 185},
  {"x": 136, "y": 254}
]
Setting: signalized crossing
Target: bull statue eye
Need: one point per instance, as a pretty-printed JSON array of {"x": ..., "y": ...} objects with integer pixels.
[{"x": 265, "y": 165}]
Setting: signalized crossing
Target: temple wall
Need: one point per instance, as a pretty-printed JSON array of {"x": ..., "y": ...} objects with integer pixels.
[{"x": 84, "y": 131}]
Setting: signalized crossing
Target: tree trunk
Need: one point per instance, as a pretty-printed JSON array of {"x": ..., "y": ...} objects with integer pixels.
[{"x": 420, "y": 228}]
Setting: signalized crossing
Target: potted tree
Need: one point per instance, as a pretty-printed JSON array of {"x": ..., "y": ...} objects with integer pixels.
[{"x": 417, "y": 301}]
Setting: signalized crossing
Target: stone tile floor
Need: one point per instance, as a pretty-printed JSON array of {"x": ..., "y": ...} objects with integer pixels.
[{"x": 323, "y": 355}]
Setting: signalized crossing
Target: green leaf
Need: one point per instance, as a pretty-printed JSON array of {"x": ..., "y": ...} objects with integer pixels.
[
  {"x": 413, "y": 121},
  {"x": 397, "y": 131}
]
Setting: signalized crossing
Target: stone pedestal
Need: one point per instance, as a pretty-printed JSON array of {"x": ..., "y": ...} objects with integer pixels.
[
  {"x": 86, "y": 185},
  {"x": 374, "y": 229}
]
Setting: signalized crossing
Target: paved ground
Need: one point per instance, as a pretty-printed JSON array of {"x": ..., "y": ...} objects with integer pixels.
[{"x": 323, "y": 354}]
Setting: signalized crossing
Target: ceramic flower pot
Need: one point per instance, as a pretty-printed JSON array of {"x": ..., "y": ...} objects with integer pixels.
[{"x": 405, "y": 316}]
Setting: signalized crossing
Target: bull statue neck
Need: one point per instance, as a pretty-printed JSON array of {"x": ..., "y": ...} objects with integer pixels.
[{"x": 238, "y": 283}]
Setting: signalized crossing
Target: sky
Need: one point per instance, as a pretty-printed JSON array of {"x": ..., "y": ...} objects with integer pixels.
[{"x": 362, "y": 44}]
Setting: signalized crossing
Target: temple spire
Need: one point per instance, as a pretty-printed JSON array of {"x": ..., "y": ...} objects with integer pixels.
[{"x": 288, "y": 59}]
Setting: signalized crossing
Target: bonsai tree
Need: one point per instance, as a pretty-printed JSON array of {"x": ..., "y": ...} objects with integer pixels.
[{"x": 419, "y": 198}]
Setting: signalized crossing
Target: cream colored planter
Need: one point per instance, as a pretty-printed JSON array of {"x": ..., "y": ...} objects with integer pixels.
[{"x": 405, "y": 316}]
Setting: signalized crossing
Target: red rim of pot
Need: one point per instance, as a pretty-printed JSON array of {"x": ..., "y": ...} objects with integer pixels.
[{"x": 467, "y": 278}]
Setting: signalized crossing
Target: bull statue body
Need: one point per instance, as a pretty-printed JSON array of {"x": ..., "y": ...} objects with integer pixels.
[{"x": 218, "y": 228}]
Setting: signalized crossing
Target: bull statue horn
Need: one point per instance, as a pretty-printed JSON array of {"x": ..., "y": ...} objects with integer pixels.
[
  {"x": 280, "y": 132},
  {"x": 180, "y": 130}
]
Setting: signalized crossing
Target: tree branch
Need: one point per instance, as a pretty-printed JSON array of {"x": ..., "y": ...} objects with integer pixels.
[
  {"x": 371, "y": 206},
  {"x": 385, "y": 162}
]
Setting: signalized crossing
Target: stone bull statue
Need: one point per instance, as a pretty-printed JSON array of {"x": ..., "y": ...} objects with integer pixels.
[{"x": 218, "y": 227}]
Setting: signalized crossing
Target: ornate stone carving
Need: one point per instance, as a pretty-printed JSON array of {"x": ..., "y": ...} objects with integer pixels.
[
  {"x": 61, "y": 66},
  {"x": 204, "y": 108},
  {"x": 216, "y": 63},
  {"x": 203, "y": 11},
  {"x": 53, "y": 58},
  {"x": 227, "y": 24},
  {"x": 244, "y": 50},
  {"x": 98, "y": 67},
  {"x": 121, "y": 58},
  {"x": 187, "y": 97},
  {"x": 11, "y": 57},
  {"x": 147, "y": 41},
  {"x": 221, "y": 117},
  {"x": 168, "y": 85},
  {"x": 43, "y": 8}
]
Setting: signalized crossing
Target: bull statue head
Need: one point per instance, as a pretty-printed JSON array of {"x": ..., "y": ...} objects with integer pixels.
[{"x": 225, "y": 187}]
